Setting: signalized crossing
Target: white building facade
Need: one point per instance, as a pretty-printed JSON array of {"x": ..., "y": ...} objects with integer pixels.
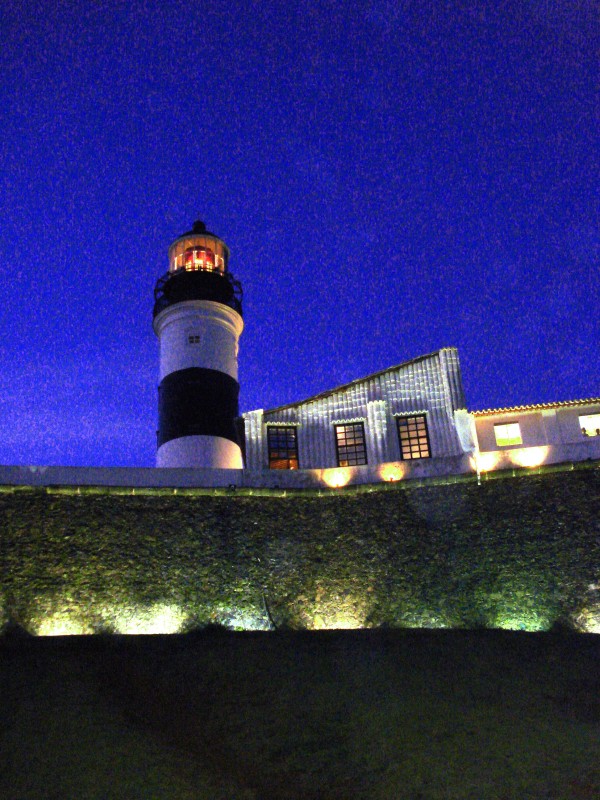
[
  {"x": 533, "y": 435},
  {"x": 411, "y": 421},
  {"x": 412, "y": 411}
]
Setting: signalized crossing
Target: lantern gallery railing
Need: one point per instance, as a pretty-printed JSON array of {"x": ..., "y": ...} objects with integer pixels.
[{"x": 197, "y": 284}]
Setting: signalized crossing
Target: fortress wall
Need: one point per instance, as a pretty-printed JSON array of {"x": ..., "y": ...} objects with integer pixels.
[
  {"x": 143, "y": 477},
  {"x": 515, "y": 552}
]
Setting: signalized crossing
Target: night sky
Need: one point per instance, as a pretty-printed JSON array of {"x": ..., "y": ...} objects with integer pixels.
[{"x": 391, "y": 178}]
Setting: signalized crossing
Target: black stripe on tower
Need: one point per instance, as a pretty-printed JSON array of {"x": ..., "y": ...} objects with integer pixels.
[{"x": 197, "y": 402}]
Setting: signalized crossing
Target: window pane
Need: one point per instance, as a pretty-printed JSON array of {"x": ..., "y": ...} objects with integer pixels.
[
  {"x": 350, "y": 441},
  {"x": 590, "y": 424},
  {"x": 414, "y": 438},
  {"x": 283, "y": 447},
  {"x": 508, "y": 434}
]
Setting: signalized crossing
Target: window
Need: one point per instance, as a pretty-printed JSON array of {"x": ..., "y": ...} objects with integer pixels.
[
  {"x": 199, "y": 257},
  {"x": 193, "y": 338},
  {"x": 414, "y": 438},
  {"x": 350, "y": 442},
  {"x": 590, "y": 424},
  {"x": 508, "y": 433},
  {"x": 283, "y": 447}
]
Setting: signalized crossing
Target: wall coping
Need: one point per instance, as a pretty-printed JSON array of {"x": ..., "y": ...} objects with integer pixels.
[{"x": 187, "y": 482}]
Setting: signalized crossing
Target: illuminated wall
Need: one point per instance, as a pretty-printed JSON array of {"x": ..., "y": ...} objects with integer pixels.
[
  {"x": 548, "y": 425},
  {"x": 513, "y": 552},
  {"x": 430, "y": 385}
]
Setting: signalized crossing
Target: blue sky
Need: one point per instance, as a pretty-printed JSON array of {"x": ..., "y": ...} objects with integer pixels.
[{"x": 391, "y": 178}]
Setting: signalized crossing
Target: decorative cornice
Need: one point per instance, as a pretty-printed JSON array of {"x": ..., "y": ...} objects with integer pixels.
[
  {"x": 537, "y": 406},
  {"x": 344, "y": 387}
]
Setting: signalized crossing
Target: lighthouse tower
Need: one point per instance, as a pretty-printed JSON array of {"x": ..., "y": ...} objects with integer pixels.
[{"x": 198, "y": 321}]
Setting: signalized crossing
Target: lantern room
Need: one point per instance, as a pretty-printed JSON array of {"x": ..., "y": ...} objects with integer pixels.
[
  {"x": 198, "y": 270},
  {"x": 198, "y": 250}
]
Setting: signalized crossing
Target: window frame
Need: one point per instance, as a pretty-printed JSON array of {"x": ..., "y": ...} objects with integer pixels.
[
  {"x": 400, "y": 418},
  {"x": 510, "y": 441},
  {"x": 273, "y": 430},
  {"x": 357, "y": 424},
  {"x": 595, "y": 431}
]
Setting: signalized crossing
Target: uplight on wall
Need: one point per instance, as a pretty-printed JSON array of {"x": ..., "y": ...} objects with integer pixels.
[
  {"x": 156, "y": 618},
  {"x": 57, "y": 615},
  {"x": 392, "y": 472},
  {"x": 588, "y": 620},
  {"x": 529, "y": 456},
  {"x": 60, "y": 624},
  {"x": 524, "y": 621},
  {"x": 485, "y": 462},
  {"x": 337, "y": 613},
  {"x": 337, "y": 477}
]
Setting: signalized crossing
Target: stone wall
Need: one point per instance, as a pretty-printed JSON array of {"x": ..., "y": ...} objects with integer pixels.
[{"x": 517, "y": 552}]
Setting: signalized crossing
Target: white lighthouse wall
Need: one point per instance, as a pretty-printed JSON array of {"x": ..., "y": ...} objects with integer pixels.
[
  {"x": 430, "y": 385},
  {"x": 201, "y": 451},
  {"x": 198, "y": 333}
]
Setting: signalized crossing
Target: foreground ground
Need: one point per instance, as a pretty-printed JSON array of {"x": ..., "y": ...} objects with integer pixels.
[{"x": 434, "y": 715}]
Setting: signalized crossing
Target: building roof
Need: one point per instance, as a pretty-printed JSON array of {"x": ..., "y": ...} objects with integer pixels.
[
  {"x": 538, "y": 406},
  {"x": 356, "y": 382}
]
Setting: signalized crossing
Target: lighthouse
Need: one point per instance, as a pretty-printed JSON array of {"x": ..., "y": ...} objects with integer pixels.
[{"x": 198, "y": 321}]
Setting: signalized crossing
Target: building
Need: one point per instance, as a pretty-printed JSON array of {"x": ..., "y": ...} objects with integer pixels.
[
  {"x": 411, "y": 420},
  {"x": 413, "y": 411},
  {"x": 543, "y": 433}
]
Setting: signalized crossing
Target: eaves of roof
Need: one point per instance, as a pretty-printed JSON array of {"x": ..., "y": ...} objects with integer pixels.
[
  {"x": 344, "y": 387},
  {"x": 537, "y": 406}
]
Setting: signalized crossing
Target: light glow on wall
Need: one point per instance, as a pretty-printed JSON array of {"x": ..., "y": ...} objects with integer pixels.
[
  {"x": 520, "y": 604},
  {"x": 57, "y": 615},
  {"x": 521, "y": 457},
  {"x": 335, "y": 609},
  {"x": 328, "y": 612},
  {"x": 237, "y": 619},
  {"x": 336, "y": 477},
  {"x": 485, "y": 462},
  {"x": 156, "y": 618},
  {"x": 526, "y": 620},
  {"x": 60, "y": 624},
  {"x": 241, "y": 621},
  {"x": 522, "y": 623},
  {"x": 392, "y": 472},
  {"x": 60, "y": 617},
  {"x": 336, "y": 621},
  {"x": 529, "y": 456},
  {"x": 588, "y": 620},
  {"x": 333, "y": 619}
]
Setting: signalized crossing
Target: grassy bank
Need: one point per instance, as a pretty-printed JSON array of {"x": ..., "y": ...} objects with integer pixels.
[{"x": 435, "y": 715}]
